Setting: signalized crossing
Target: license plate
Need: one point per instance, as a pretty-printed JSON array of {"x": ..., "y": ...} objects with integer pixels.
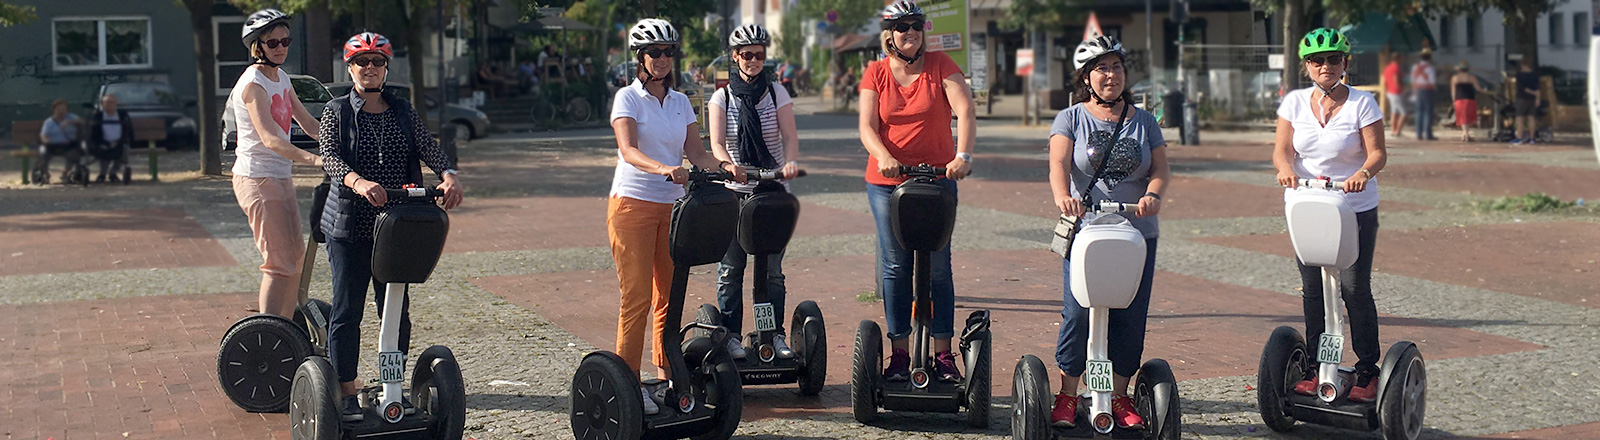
[
  {"x": 766, "y": 319},
  {"x": 1098, "y": 378},
  {"x": 1330, "y": 349},
  {"x": 391, "y": 366}
]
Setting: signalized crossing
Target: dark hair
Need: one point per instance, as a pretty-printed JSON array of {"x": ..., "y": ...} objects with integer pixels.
[
  {"x": 1527, "y": 61},
  {"x": 1080, "y": 82},
  {"x": 671, "y": 81}
]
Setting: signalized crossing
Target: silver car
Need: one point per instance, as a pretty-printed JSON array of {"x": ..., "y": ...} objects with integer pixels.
[{"x": 470, "y": 123}]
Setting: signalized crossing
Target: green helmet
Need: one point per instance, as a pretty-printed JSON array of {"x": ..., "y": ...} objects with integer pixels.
[{"x": 1323, "y": 40}]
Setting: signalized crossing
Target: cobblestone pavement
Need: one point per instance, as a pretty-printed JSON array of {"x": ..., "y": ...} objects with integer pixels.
[{"x": 112, "y": 297}]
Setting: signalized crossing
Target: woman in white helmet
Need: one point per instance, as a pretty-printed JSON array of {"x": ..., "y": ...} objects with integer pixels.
[
  {"x": 752, "y": 125},
  {"x": 655, "y": 128},
  {"x": 1106, "y": 143},
  {"x": 263, "y": 102}
]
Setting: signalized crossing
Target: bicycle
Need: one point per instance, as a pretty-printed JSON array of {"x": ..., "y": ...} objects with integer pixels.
[{"x": 576, "y": 109}]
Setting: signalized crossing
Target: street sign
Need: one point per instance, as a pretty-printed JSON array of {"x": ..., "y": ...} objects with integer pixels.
[
  {"x": 1024, "y": 62},
  {"x": 833, "y": 17}
]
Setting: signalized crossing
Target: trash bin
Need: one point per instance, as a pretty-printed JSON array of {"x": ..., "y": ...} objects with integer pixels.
[{"x": 1172, "y": 109}]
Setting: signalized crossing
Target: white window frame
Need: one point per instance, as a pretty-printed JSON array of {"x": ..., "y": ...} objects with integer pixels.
[
  {"x": 217, "y": 40},
  {"x": 100, "y": 28}
]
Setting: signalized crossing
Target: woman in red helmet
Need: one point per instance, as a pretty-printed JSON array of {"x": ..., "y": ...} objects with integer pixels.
[{"x": 372, "y": 141}]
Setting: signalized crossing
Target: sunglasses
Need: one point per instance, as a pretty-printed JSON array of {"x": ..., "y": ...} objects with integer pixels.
[
  {"x": 1326, "y": 60},
  {"x": 908, "y": 26},
  {"x": 374, "y": 62},
  {"x": 660, "y": 53},
  {"x": 752, "y": 56},
  {"x": 274, "y": 44}
]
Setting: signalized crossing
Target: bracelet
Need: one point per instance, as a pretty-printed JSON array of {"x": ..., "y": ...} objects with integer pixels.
[
  {"x": 1366, "y": 173},
  {"x": 1151, "y": 194},
  {"x": 723, "y": 165}
]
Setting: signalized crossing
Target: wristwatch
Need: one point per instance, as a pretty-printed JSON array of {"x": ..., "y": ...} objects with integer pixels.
[{"x": 964, "y": 156}]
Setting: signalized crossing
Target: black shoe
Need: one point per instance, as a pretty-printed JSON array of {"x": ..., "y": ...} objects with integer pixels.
[{"x": 351, "y": 411}]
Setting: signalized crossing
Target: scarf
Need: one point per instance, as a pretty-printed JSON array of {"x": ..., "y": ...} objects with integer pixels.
[{"x": 752, "y": 143}]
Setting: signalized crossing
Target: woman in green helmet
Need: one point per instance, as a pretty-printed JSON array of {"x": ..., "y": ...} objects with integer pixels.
[{"x": 1332, "y": 131}]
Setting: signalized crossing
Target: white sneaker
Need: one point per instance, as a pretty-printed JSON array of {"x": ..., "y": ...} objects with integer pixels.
[
  {"x": 780, "y": 344},
  {"x": 735, "y": 347},
  {"x": 650, "y": 406}
]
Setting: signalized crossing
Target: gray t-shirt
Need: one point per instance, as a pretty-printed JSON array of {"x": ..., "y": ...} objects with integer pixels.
[{"x": 1127, "y": 177}]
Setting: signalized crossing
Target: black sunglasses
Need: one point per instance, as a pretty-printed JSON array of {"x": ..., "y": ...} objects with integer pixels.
[
  {"x": 1326, "y": 60},
  {"x": 752, "y": 56},
  {"x": 659, "y": 53},
  {"x": 908, "y": 26},
  {"x": 375, "y": 62},
  {"x": 273, "y": 44}
]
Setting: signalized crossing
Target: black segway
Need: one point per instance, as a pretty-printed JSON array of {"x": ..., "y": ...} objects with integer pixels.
[
  {"x": 258, "y": 355},
  {"x": 1322, "y": 226},
  {"x": 766, "y": 222},
  {"x": 704, "y": 399},
  {"x": 407, "y": 240},
  {"x": 1108, "y": 257},
  {"x": 924, "y": 215}
]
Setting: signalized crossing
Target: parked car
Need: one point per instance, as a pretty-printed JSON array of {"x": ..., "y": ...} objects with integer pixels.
[
  {"x": 470, "y": 123},
  {"x": 312, "y": 95},
  {"x": 155, "y": 101}
]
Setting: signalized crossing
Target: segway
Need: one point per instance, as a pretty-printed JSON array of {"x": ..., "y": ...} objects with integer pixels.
[
  {"x": 1107, "y": 263},
  {"x": 259, "y": 354},
  {"x": 407, "y": 240},
  {"x": 1322, "y": 226},
  {"x": 923, "y": 216},
  {"x": 766, "y": 222},
  {"x": 703, "y": 400}
]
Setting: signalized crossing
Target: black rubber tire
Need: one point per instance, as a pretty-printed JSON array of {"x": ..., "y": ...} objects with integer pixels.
[
  {"x": 605, "y": 399},
  {"x": 542, "y": 111},
  {"x": 1405, "y": 396},
  {"x": 257, "y": 360},
  {"x": 1283, "y": 362},
  {"x": 726, "y": 387},
  {"x": 1030, "y": 389},
  {"x": 578, "y": 110},
  {"x": 80, "y": 174},
  {"x": 438, "y": 390},
  {"x": 314, "y": 407},
  {"x": 1156, "y": 399},
  {"x": 979, "y": 393},
  {"x": 808, "y": 327},
  {"x": 707, "y": 314},
  {"x": 866, "y": 373},
  {"x": 463, "y": 132}
]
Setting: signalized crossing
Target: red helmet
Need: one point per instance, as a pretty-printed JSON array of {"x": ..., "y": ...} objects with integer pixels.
[{"x": 367, "y": 42}]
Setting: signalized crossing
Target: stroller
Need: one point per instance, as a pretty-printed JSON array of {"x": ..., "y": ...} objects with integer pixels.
[
  {"x": 1505, "y": 125},
  {"x": 76, "y": 172}
]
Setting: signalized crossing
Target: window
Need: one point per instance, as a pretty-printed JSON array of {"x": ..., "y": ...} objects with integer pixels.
[
  {"x": 1446, "y": 28},
  {"x": 90, "y": 43},
  {"x": 1555, "y": 28},
  {"x": 1474, "y": 27},
  {"x": 1580, "y": 22}
]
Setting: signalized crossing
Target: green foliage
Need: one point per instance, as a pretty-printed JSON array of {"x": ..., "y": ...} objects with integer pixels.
[
  {"x": 852, "y": 13},
  {"x": 792, "y": 40},
  {"x": 11, "y": 15},
  {"x": 1046, "y": 14},
  {"x": 1532, "y": 202},
  {"x": 700, "y": 45}
]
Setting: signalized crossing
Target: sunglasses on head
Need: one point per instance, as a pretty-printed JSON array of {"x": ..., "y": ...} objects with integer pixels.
[
  {"x": 1325, "y": 60},
  {"x": 374, "y": 62},
  {"x": 908, "y": 26},
  {"x": 274, "y": 44},
  {"x": 752, "y": 56},
  {"x": 660, "y": 53}
]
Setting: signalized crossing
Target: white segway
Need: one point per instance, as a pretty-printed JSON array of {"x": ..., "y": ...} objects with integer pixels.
[
  {"x": 407, "y": 240},
  {"x": 1108, "y": 259},
  {"x": 1322, "y": 226}
]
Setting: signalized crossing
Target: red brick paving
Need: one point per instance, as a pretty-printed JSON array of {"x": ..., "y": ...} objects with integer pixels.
[
  {"x": 142, "y": 366},
  {"x": 1554, "y": 260},
  {"x": 1479, "y": 146},
  {"x": 1497, "y": 179},
  {"x": 1570, "y": 432},
  {"x": 91, "y": 241},
  {"x": 1197, "y": 325}
]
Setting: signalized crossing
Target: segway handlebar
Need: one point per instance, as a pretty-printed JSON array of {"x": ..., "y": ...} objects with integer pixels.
[
  {"x": 1328, "y": 184},
  {"x": 923, "y": 170},
  {"x": 413, "y": 193},
  {"x": 749, "y": 175},
  {"x": 1110, "y": 206}
]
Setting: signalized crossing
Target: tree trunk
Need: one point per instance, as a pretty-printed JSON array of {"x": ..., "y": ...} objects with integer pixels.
[
  {"x": 320, "y": 44},
  {"x": 1525, "y": 21},
  {"x": 1293, "y": 31},
  {"x": 205, "y": 63},
  {"x": 415, "y": 26}
]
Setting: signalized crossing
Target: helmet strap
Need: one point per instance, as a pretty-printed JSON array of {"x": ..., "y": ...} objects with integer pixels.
[
  {"x": 1102, "y": 102},
  {"x": 381, "y": 83},
  {"x": 911, "y": 59},
  {"x": 265, "y": 62}
]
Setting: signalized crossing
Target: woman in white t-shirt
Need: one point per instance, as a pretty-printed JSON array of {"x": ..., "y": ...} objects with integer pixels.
[
  {"x": 655, "y": 128},
  {"x": 263, "y": 102},
  {"x": 752, "y": 125},
  {"x": 1333, "y": 131}
]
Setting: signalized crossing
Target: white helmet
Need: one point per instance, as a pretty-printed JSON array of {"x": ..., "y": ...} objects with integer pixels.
[
  {"x": 1093, "y": 48},
  {"x": 898, "y": 10},
  {"x": 749, "y": 34},
  {"x": 652, "y": 31},
  {"x": 259, "y": 22}
]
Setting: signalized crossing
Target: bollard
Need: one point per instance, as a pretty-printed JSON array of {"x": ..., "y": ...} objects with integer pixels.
[
  {"x": 154, "y": 173},
  {"x": 27, "y": 170}
]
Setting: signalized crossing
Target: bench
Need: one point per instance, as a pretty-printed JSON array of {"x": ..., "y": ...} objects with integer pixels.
[
  {"x": 26, "y": 135},
  {"x": 152, "y": 131}
]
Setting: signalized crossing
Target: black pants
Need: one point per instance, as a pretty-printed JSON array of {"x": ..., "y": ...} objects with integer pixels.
[
  {"x": 1355, "y": 286},
  {"x": 351, "y": 264}
]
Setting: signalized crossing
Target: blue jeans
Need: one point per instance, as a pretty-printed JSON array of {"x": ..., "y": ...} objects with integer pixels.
[
  {"x": 1124, "y": 331},
  {"x": 351, "y": 264},
  {"x": 730, "y": 287},
  {"x": 1355, "y": 286},
  {"x": 895, "y": 272},
  {"x": 1425, "y": 113}
]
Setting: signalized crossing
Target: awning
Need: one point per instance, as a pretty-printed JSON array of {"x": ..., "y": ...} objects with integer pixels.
[
  {"x": 855, "y": 42},
  {"x": 1378, "y": 31}
]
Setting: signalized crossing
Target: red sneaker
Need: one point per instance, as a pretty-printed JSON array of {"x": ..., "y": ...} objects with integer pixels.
[
  {"x": 1366, "y": 389},
  {"x": 1307, "y": 387},
  {"x": 1122, "y": 411},
  {"x": 1065, "y": 412}
]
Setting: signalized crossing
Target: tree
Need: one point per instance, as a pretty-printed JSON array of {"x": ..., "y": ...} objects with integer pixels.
[
  {"x": 853, "y": 14},
  {"x": 205, "y": 62},
  {"x": 11, "y": 15}
]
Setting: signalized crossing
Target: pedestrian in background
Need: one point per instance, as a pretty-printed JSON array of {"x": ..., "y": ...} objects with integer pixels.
[
  {"x": 1423, "y": 82},
  {"x": 1394, "y": 90}
]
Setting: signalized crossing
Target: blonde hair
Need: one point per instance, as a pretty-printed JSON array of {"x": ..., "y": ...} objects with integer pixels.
[{"x": 886, "y": 39}]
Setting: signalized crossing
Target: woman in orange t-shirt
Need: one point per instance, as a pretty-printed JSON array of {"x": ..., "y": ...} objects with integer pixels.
[{"x": 907, "y": 100}]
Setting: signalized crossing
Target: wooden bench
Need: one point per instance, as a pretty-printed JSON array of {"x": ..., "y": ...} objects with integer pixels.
[
  {"x": 26, "y": 135},
  {"x": 152, "y": 131}
]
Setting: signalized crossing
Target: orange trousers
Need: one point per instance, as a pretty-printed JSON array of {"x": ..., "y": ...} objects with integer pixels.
[{"x": 638, "y": 231}]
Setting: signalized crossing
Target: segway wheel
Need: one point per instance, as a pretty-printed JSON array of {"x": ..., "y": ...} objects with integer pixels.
[
  {"x": 314, "y": 407},
  {"x": 866, "y": 375},
  {"x": 257, "y": 360},
  {"x": 808, "y": 327},
  {"x": 707, "y": 314},
  {"x": 81, "y": 174},
  {"x": 606, "y": 404},
  {"x": 1283, "y": 362},
  {"x": 978, "y": 380},
  {"x": 1030, "y": 415},
  {"x": 438, "y": 390},
  {"x": 723, "y": 390},
  {"x": 1156, "y": 399},
  {"x": 1404, "y": 400}
]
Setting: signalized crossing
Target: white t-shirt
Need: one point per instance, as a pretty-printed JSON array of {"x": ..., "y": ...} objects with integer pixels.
[
  {"x": 662, "y": 128},
  {"x": 1334, "y": 151},
  {"x": 254, "y": 158},
  {"x": 768, "y": 107}
]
